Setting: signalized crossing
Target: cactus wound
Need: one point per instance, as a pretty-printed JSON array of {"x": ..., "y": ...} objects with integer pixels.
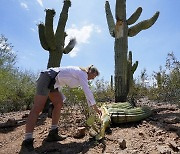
[{"x": 119, "y": 29}]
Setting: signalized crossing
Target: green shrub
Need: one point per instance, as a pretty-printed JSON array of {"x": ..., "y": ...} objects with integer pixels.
[
  {"x": 166, "y": 85},
  {"x": 16, "y": 91},
  {"x": 16, "y": 87}
]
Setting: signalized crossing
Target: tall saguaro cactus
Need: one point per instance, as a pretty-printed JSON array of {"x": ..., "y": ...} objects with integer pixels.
[
  {"x": 120, "y": 31},
  {"x": 54, "y": 42}
]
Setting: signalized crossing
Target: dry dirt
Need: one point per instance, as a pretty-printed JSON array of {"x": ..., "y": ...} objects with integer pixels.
[{"x": 155, "y": 135}]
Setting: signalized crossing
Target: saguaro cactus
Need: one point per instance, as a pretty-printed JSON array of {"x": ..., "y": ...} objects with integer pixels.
[
  {"x": 159, "y": 79},
  {"x": 54, "y": 42},
  {"x": 120, "y": 31}
]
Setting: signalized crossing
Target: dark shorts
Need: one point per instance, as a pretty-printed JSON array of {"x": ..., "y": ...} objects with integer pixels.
[{"x": 43, "y": 84}]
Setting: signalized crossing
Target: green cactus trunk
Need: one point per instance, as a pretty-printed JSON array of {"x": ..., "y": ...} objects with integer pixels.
[
  {"x": 54, "y": 58},
  {"x": 120, "y": 48},
  {"x": 120, "y": 69}
]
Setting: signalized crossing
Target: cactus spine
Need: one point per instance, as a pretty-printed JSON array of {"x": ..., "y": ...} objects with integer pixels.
[
  {"x": 120, "y": 31},
  {"x": 54, "y": 42}
]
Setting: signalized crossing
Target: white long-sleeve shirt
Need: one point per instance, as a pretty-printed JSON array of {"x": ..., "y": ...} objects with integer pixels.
[{"x": 73, "y": 76}]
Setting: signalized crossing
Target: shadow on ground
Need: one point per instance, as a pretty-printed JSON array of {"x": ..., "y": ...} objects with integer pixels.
[{"x": 68, "y": 148}]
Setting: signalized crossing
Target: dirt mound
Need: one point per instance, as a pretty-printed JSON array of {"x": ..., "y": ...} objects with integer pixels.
[{"x": 158, "y": 134}]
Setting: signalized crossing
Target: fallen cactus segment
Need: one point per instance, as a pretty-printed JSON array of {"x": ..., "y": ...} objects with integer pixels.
[
  {"x": 117, "y": 113},
  {"x": 129, "y": 115}
]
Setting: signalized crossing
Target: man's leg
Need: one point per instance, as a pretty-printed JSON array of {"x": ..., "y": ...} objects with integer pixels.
[
  {"x": 27, "y": 145},
  {"x": 39, "y": 102},
  {"x": 57, "y": 101}
]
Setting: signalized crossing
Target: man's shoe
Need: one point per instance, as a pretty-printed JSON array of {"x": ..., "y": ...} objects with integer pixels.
[
  {"x": 27, "y": 147},
  {"x": 54, "y": 136}
]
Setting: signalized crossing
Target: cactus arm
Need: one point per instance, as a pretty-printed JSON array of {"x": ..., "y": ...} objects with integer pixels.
[
  {"x": 110, "y": 20},
  {"x": 130, "y": 57},
  {"x": 129, "y": 75},
  {"x": 130, "y": 71},
  {"x": 70, "y": 46},
  {"x": 134, "y": 30},
  {"x": 59, "y": 35},
  {"x": 134, "y": 67},
  {"x": 42, "y": 38},
  {"x": 112, "y": 84},
  {"x": 49, "y": 32},
  {"x": 135, "y": 16}
]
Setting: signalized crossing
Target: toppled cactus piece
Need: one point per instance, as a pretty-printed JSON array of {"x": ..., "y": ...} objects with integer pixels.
[{"x": 117, "y": 113}]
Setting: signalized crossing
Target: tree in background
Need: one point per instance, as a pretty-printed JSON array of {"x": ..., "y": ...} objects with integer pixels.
[
  {"x": 17, "y": 87},
  {"x": 124, "y": 68},
  {"x": 7, "y": 56},
  {"x": 168, "y": 81}
]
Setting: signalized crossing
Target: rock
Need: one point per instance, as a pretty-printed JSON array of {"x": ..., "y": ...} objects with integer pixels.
[
  {"x": 80, "y": 133},
  {"x": 174, "y": 146},
  {"x": 11, "y": 122},
  {"x": 172, "y": 128},
  {"x": 172, "y": 120},
  {"x": 141, "y": 134},
  {"x": 25, "y": 116},
  {"x": 122, "y": 144},
  {"x": 164, "y": 150},
  {"x": 78, "y": 120}
]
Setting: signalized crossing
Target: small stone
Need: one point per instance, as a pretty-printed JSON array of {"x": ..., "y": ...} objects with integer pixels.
[
  {"x": 25, "y": 116},
  {"x": 164, "y": 150},
  {"x": 172, "y": 120},
  {"x": 78, "y": 120},
  {"x": 174, "y": 146},
  {"x": 80, "y": 132},
  {"x": 141, "y": 134},
  {"x": 122, "y": 144}
]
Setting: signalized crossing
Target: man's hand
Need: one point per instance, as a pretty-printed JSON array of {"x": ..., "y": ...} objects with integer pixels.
[{"x": 97, "y": 110}]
